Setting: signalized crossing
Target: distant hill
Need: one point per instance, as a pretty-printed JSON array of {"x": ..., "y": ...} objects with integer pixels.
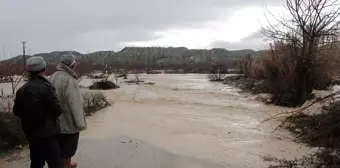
[
  {"x": 55, "y": 57},
  {"x": 150, "y": 55}
]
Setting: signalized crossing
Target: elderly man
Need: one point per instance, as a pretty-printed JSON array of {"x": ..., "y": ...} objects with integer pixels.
[
  {"x": 38, "y": 107},
  {"x": 72, "y": 121}
]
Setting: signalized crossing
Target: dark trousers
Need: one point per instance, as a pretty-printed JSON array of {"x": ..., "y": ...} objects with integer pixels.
[
  {"x": 68, "y": 144},
  {"x": 45, "y": 150}
]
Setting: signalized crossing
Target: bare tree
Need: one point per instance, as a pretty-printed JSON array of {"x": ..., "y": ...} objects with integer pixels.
[
  {"x": 117, "y": 75},
  {"x": 310, "y": 25},
  {"x": 15, "y": 81},
  {"x": 14, "y": 75},
  {"x": 218, "y": 72},
  {"x": 137, "y": 73},
  {"x": 13, "y": 72},
  {"x": 3, "y": 73},
  {"x": 216, "y": 76}
]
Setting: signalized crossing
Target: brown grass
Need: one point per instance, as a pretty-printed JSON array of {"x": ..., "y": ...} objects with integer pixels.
[{"x": 280, "y": 67}]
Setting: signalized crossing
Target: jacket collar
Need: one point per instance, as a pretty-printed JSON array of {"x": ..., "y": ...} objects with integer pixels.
[
  {"x": 39, "y": 77},
  {"x": 65, "y": 68}
]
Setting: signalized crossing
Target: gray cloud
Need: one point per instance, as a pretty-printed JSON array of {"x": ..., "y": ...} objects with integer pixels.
[
  {"x": 255, "y": 45},
  {"x": 254, "y": 36},
  {"x": 87, "y": 25},
  {"x": 254, "y": 41}
]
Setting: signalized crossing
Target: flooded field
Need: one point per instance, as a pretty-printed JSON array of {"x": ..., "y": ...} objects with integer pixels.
[{"x": 184, "y": 121}]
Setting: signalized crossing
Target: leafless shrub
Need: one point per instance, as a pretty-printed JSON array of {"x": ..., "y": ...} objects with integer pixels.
[
  {"x": 137, "y": 73},
  {"x": 216, "y": 77},
  {"x": 12, "y": 72},
  {"x": 217, "y": 73},
  {"x": 94, "y": 102},
  {"x": 319, "y": 130},
  {"x": 137, "y": 76},
  {"x": 15, "y": 81},
  {"x": 6, "y": 104},
  {"x": 119, "y": 74},
  {"x": 252, "y": 67},
  {"x": 11, "y": 134}
]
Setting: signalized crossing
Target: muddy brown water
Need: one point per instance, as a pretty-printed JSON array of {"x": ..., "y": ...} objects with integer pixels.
[{"x": 184, "y": 121}]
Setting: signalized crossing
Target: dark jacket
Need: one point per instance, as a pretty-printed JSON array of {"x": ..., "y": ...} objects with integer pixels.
[{"x": 38, "y": 107}]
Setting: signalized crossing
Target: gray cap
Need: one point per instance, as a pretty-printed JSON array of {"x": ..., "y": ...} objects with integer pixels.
[
  {"x": 35, "y": 64},
  {"x": 68, "y": 59}
]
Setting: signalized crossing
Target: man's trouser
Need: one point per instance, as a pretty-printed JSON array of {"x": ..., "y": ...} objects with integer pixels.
[{"x": 45, "y": 150}]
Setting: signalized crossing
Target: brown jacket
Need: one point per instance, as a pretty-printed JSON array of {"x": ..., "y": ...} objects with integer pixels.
[{"x": 65, "y": 82}]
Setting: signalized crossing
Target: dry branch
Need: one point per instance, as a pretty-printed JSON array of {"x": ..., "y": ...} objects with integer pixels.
[{"x": 297, "y": 112}]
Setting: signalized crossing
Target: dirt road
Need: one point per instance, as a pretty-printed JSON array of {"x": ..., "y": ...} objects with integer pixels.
[{"x": 183, "y": 121}]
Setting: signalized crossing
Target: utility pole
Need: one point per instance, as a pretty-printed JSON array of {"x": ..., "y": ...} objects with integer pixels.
[
  {"x": 23, "y": 54},
  {"x": 146, "y": 60},
  {"x": 3, "y": 57}
]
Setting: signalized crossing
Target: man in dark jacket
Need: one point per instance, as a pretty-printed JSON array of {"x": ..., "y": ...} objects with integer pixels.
[{"x": 38, "y": 108}]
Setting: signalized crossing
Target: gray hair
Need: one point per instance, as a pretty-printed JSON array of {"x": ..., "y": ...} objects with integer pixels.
[{"x": 68, "y": 59}]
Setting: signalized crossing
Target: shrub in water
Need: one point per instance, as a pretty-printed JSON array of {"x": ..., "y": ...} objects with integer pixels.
[
  {"x": 103, "y": 85},
  {"x": 94, "y": 102}
]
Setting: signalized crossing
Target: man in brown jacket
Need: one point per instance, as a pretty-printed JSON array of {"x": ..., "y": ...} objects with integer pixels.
[{"x": 72, "y": 121}]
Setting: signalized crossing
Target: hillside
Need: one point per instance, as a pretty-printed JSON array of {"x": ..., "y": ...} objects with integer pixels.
[
  {"x": 150, "y": 56},
  {"x": 55, "y": 56}
]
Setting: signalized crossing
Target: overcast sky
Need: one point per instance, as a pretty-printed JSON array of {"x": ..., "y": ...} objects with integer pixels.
[{"x": 89, "y": 25}]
